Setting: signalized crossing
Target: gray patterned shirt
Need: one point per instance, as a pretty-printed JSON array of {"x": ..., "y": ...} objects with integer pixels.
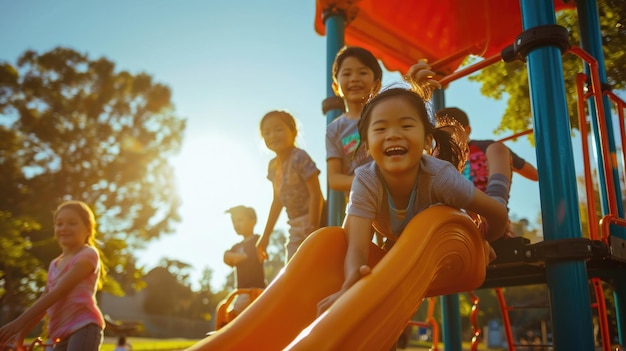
[
  {"x": 292, "y": 188},
  {"x": 438, "y": 183}
]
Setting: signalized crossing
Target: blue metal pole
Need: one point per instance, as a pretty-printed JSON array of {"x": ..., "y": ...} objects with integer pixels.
[
  {"x": 335, "y": 24},
  {"x": 567, "y": 281},
  {"x": 591, "y": 42},
  {"x": 450, "y": 306},
  {"x": 451, "y": 323},
  {"x": 619, "y": 296}
]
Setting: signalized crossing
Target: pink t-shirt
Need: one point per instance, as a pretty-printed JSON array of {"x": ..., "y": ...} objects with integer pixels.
[{"x": 79, "y": 307}]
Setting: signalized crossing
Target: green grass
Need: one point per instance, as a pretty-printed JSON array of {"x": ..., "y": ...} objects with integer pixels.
[
  {"x": 146, "y": 344},
  {"x": 139, "y": 344}
]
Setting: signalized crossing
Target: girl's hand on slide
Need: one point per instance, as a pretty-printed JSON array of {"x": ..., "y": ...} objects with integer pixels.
[
  {"x": 328, "y": 301},
  {"x": 492, "y": 254},
  {"x": 365, "y": 270},
  {"x": 483, "y": 227}
]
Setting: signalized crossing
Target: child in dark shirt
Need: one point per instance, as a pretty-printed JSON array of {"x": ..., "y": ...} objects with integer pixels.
[{"x": 243, "y": 256}]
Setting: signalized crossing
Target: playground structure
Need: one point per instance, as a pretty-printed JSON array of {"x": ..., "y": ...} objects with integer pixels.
[
  {"x": 445, "y": 32},
  {"x": 565, "y": 261},
  {"x": 441, "y": 251},
  {"x": 373, "y": 313},
  {"x": 224, "y": 313}
]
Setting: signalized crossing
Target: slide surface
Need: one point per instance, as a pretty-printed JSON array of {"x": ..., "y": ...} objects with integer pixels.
[{"x": 440, "y": 252}]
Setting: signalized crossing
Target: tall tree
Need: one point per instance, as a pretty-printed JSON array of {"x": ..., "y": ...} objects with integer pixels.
[
  {"x": 204, "y": 301},
  {"x": 75, "y": 128},
  {"x": 16, "y": 263},
  {"x": 277, "y": 254},
  {"x": 517, "y": 115},
  {"x": 166, "y": 295}
]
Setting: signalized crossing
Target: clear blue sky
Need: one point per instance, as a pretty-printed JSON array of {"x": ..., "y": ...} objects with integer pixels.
[{"x": 227, "y": 63}]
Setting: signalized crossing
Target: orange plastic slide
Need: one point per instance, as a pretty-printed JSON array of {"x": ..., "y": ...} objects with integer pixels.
[{"x": 440, "y": 252}]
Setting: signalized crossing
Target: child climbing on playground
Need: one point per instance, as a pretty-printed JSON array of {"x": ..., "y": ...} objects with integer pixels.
[
  {"x": 480, "y": 150},
  {"x": 490, "y": 163},
  {"x": 69, "y": 299},
  {"x": 295, "y": 181},
  {"x": 243, "y": 256},
  {"x": 395, "y": 129},
  {"x": 357, "y": 75}
]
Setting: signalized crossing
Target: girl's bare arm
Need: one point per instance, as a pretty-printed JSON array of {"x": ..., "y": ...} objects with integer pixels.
[
  {"x": 337, "y": 180},
  {"x": 272, "y": 217},
  {"x": 358, "y": 233},
  {"x": 316, "y": 202},
  {"x": 494, "y": 212},
  {"x": 81, "y": 269}
]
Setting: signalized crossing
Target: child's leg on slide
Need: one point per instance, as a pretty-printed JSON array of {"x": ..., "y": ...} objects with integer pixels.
[
  {"x": 499, "y": 164},
  {"x": 499, "y": 183}
]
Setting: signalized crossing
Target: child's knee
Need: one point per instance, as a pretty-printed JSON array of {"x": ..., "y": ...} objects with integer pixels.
[
  {"x": 498, "y": 159},
  {"x": 498, "y": 151}
]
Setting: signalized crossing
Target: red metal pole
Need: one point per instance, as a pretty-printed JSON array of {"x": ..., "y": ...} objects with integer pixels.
[
  {"x": 504, "y": 309},
  {"x": 470, "y": 69},
  {"x": 610, "y": 161}
]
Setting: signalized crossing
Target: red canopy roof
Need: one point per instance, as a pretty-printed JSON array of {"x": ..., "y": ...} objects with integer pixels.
[{"x": 400, "y": 32}]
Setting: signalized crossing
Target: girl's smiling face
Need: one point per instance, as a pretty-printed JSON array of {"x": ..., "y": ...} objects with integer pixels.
[
  {"x": 355, "y": 80},
  {"x": 395, "y": 135},
  {"x": 278, "y": 136},
  {"x": 70, "y": 230}
]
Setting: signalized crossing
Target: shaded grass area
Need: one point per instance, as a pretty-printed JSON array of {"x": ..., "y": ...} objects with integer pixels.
[
  {"x": 148, "y": 344},
  {"x": 138, "y": 344},
  {"x": 151, "y": 344}
]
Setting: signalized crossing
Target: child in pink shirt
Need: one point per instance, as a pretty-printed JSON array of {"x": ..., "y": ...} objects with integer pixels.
[{"x": 75, "y": 322}]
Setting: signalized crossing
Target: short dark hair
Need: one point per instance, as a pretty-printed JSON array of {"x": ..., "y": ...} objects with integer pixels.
[
  {"x": 456, "y": 113},
  {"x": 248, "y": 211},
  {"x": 361, "y": 54}
]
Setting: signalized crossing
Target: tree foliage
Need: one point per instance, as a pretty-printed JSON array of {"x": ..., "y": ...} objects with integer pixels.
[
  {"x": 510, "y": 80},
  {"x": 166, "y": 295},
  {"x": 75, "y": 128},
  {"x": 17, "y": 263},
  {"x": 169, "y": 292},
  {"x": 277, "y": 254},
  {"x": 205, "y": 301}
]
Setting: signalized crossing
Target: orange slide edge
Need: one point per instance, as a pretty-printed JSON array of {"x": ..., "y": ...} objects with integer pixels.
[{"x": 440, "y": 252}]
